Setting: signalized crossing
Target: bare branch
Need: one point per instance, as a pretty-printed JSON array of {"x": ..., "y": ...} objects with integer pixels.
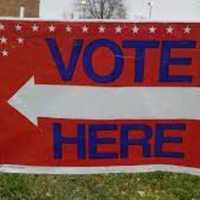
[{"x": 103, "y": 9}]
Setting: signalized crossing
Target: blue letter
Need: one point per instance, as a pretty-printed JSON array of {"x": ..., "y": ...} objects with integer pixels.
[
  {"x": 167, "y": 60},
  {"x": 144, "y": 142},
  {"x": 66, "y": 72},
  {"x": 140, "y": 47},
  {"x": 161, "y": 140},
  {"x": 119, "y": 61},
  {"x": 94, "y": 141},
  {"x": 59, "y": 140}
]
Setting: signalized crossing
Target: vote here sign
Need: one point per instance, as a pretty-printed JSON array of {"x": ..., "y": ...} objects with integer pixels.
[{"x": 99, "y": 97}]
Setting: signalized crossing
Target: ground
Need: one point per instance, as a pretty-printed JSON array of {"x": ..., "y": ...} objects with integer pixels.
[{"x": 152, "y": 186}]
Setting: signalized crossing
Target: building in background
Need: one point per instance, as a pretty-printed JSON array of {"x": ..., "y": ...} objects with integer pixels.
[{"x": 19, "y": 8}]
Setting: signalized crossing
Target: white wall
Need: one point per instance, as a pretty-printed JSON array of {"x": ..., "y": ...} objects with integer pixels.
[
  {"x": 162, "y": 9},
  {"x": 55, "y": 9},
  {"x": 167, "y": 9}
]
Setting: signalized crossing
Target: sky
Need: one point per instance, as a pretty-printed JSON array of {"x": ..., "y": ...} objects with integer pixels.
[{"x": 176, "y": 10}]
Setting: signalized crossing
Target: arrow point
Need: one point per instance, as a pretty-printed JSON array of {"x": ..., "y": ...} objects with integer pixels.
[{"x": 22, "y": 101}]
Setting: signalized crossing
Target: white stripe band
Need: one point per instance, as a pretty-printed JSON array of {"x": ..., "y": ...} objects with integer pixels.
[
  {"x": 140, "y": 21},
  {"x": 97, "y": 170}
]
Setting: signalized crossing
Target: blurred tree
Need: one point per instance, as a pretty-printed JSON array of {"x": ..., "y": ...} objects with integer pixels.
[{"x": 101, "y": 9}]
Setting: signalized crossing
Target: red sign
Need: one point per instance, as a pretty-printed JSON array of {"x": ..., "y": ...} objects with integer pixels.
[{"x": 99, "y": 97}]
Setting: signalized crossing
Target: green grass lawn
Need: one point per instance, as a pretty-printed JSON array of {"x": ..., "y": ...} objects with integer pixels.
[{"x": 152, "y": 186}]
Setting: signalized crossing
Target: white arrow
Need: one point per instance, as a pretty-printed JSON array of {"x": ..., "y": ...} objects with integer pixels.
[{"x": 83, "y": 102}]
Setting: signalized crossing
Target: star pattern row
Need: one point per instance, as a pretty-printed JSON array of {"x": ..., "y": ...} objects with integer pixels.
[
  {"x": 170, "y": 29},
  {"x": 118, "y": 29}
]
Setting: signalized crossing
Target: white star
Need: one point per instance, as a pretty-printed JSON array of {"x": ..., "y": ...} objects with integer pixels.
[
  {"x": 68, "y": 28},
  {"x": 4, "y": 53},
  {"x": 102, "y": 29},
  {"x": 52, "y": 28},
  {"x": 187, "y": 29},
  {"x": 152, "y": 29},
  {"x": 35, "y": 28},
  {"x": 85, "y": 29},
  {"x": 135, "y": 29},
  {"x": 3, "y": 40},
  {"x": 20, "y": 40},
  {"x": 118, "y": 29},
  {"x": 2, "y": 27},
  {"x": 170, "y": 29},
  {"x": 18, "y": 27}
]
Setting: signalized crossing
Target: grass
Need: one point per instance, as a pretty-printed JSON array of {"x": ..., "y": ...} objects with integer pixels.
[{"x": 152, "y": 186}]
